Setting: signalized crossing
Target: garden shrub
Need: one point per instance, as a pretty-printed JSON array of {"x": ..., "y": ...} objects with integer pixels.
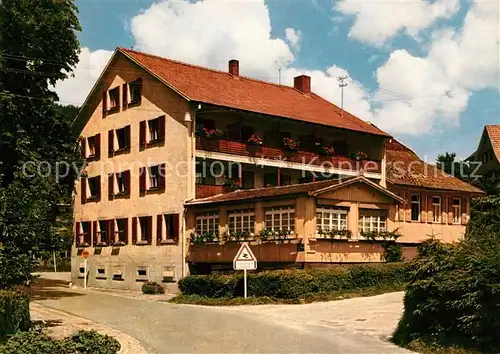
[
  {"x": 82, "y": 342},
  {"x": 14, "y": 313},
  {"x": 454, "y": 291},
  {"x": 152, "y": 287},
  {"x": 296, "y": 283}
]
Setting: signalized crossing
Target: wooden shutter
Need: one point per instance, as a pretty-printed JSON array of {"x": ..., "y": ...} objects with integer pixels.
[
  {"x": 408, "y": 207},
  {"x": 149, "y": 227},
  {"x": 134, "y": 230},
  {"x": 161, "y": 177},
  {"x": 159, "y": 228},
  {"x": 142, "y": 180},
  {"x": 98, "y": 146},
  {"x": 111, "y": 186},
  {"x": 83, "y": 146},
  {"x": 104, "y": 103},
  {"x": 88, "y": 238},
  {"x": 99, "y": 187},
  {"x": 127, "y": 136},
  {"x": 83, "y": 183},
  {"x": 423, "y": 207},
  {"x": 77, "y": 231},
  {"x": 111, "y": 142},
  {"x": 126, "y": 176},
  {"x": 124, "y": 96},
  {"x": 94, "y": 233},
  {"x": 464, "y": 211},
  {"x": 176, "y": 227},
  {"x": 125, "y": 231},
  {"x": 161, "y": 128},
  {"x": 139, "y": 84},
  {"x": 110, "y": 231},
  {"x": 142, "y": 134},
  {"x": 430, "y": 209},
  {"x": 450, "y": 210},
  {"x": 444, "y": 209}
]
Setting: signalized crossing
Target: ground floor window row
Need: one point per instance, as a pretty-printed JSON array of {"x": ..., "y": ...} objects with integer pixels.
[
  {"x": 167, "y": 274},
  {"x": 115, "y": 232},
  {"x": 430, "y": 208},
  {"x": 282, "y": 220}
]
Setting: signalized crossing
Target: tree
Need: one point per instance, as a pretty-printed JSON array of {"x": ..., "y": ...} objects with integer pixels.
[
  {"x": 38, "y": 47},
  {"x": 446, "y": 162}
]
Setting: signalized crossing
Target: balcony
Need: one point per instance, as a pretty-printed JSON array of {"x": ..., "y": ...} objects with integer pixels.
[
  {"x": 233, "y": 147},
  {"x": 207, "y": 190}
]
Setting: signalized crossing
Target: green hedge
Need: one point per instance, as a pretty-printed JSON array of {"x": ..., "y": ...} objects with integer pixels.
[
  {"x": 82, "y": 342},
  {"x": 14, "y": 313},
  {"x": 296, "y": 283},
  {"x": 153, "y": 288}
]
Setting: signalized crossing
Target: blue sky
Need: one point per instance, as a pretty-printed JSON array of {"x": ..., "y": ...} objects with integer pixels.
[{"x": 416, "y": 71}]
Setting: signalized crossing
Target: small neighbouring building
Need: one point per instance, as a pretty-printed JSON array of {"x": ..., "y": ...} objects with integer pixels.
[{"x": 184, "y": 162}]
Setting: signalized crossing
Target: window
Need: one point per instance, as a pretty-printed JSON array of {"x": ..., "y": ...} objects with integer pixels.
[
  {"x": 122, "y": 138},
  {"x": 204, "y": 123},
  {"x": 119, "y": 184},
  {"x": 436, "y": 209},
  {"x": 207, "y": 222},
  {"x": 203, "y": 174},
  {"x": 248, "y": 180},
  {"x": 144, "y": 230},
  {"x": 114, "y": 98},
  {"x": 83, "y": 234},
  {"x": 121, "y": 232},
  {"x": 457, "y": 210},
  {"x": 415, "y": 207},
  {"x": 271, "y": 179},
  {"x": 135, "y": 91},
  {"x": 151, "y": 131},
  {"x": 331, "y": 219},
  {"x": 280, "y": 218},
  {"x": 102, "y": 233},
  {"x": 241, "y": 221},
  {"x": 167, "y": 227},
  {"x": 91, "y": 141},
  {"x": 94, "y": 188},
  {"x": 246, "y": 132},
  {"x": 152, "y": 178},
  {"x": 285, "y": 180},
  {"x": 372, "y": 220}
]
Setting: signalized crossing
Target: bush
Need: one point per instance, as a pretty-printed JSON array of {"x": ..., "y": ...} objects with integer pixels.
[
  {"x": 14, "y": 313},
  {"x": 296, "y": 283},
  {"x": 152, "y": 287},
  {"x": 453, "y": 294},
  {"x": 82, "y": 342},
  {"x": 91, "y": 342}
]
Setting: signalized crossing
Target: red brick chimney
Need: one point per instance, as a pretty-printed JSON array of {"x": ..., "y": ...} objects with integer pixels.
[
  {"x": 302, "y": 83},
  {"x": 234, "y": 67}
]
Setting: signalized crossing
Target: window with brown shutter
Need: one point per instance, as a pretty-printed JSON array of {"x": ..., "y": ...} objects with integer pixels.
[
  {"x": 142, "y": 180},
  {"x": 83, "y": 145},
  {"x": 161, "y": 177},
  {"x": 94, "y": 188},
  {"x": 104, "y": 103},
  {"x": 94, "y": 233},
  {"x": 134, "y": 230},
  {"x": 102, "y": 233},
  {"x": 121, "y": 233},
  {"x": 161, "y": 128},
  {"x": 124, "y": 96},
  {"x": 76, "y": 231},
  {"x": 111, "y": 142},
  {"x": 127, "y": 181},
  {"x": 169, "y": 234},
  {"x": 135, "y": 92},
  {"x": 98, "y": 146},
  {"x": 83, "y": 191},
  {"x": 159, "y": 228},
  {"x": 142, "y": 134},
  {"x": 111, "y": 186},
  {"x": 114, "y": 99},
  {"x": 84, "y": 234}
]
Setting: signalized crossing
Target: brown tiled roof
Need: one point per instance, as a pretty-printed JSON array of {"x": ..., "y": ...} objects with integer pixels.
[
  {"x": 494, "y": 134},
  {"x": 223, "y": 89},
  {"x": 404, "y": 167},
  {"x": 312, "y": 188}
]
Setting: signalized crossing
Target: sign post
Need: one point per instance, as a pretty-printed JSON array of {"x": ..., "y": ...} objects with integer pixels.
[
  {"x": 245, "y": 260},
  {"x": 85, "y": 255}
]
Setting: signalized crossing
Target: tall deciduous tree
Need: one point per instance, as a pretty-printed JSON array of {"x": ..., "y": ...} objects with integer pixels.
[{"x": 38, "y": 47}]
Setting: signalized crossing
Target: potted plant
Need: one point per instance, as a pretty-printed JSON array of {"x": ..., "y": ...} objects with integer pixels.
[
  {"x": 255, "y": 140},
  {"x": 360, "y": 155},
  {"x": 228, "y": 182},
  {"x": 212, "y": 133},
  {"x": 290, "y": 144},
  {"x": 326, "y": 150}
]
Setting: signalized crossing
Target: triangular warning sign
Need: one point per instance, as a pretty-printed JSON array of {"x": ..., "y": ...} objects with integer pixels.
[{"x": 245, "y": 254}]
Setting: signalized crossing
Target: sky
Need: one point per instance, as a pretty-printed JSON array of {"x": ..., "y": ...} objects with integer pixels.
[{"x": 427, "y": 72}]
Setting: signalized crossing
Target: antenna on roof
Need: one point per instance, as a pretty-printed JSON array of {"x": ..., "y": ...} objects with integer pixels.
[
  {"x": 279, "y": 76},
  {"x": 342, "y": 84}
]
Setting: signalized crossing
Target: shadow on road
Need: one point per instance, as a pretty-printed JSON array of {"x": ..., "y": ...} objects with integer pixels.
[{"x": 49, "y": 289}]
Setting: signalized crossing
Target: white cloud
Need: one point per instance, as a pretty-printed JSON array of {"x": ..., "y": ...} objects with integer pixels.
[
  {"x": 294, "y": 38},
  {"x": 211, "y": 32},
  {"x": 421, "y": 94},
  {"x": 75, "y": 90},
  {"x": 376, "y": 22}
]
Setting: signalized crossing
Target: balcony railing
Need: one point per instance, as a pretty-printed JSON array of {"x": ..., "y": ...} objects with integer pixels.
[{"x": 275, "y": 153}]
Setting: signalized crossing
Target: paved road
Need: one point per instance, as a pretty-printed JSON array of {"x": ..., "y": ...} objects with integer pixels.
[{"x": 172, "y": 328}]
